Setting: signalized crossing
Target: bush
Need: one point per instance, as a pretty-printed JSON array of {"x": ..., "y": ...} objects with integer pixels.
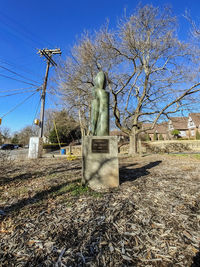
[
  {"x": 197, "y": 135},
  {"x": 155, "y": 137},
  {"x": 54, "y": 146},
  {"x": 148, "y": 137},
  {"x": 161, "y": 137},
  {"x": 175, "y": 133}
]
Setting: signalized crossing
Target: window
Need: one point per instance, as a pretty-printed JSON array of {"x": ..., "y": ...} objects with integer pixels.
[{"x": 182, "y": 133}]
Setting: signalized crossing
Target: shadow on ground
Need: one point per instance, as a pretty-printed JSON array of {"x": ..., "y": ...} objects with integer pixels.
[
  {"x": 33, "y": 175},
  {"x": 42, "y": 195},
  {"x": 196, "y": 260},
  {"x": 127, "y": 173},
  {"x": 20, "y": 177}
]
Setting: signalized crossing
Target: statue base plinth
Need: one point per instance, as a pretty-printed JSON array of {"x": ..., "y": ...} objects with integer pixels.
[{"x": 100, "y": 162}]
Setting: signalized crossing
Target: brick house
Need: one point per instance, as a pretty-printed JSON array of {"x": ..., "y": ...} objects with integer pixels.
[
  {"x": 187, "y": 126},
  {"x": 179, "y": 123},
  {"x": 160, "y": 129},
  {"x": 122, "y": 137},
  {"x": 193, "y": 124}
]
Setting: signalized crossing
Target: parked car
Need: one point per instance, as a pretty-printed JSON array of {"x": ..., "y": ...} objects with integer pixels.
[
  {"x": 7, "y": 147},
  {"x": 16, "y": 146}
]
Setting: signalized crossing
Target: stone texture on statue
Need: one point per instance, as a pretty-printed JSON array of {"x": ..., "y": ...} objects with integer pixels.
[
  {"x": 35, "y": 147},
  {"x": 100, "y": 107},
  {"x": 100, "y": 168}
]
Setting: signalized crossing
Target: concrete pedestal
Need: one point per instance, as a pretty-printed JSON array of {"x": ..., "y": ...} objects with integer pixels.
[
  {"x": 35, "y": 148},
  {"x": 100, "y": 162}
]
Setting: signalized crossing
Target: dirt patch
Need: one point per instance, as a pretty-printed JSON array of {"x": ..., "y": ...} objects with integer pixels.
[{"x": 152, "y": 219}]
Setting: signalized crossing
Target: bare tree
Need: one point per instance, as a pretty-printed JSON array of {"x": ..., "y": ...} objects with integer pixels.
[
  {"x": 76, "y": 77},
  {"x": 195, "y": 29},
  {"x": 4, "y": 134},
  {"x": 148, "y": 70},
  {"x": 25, "y": 134}
]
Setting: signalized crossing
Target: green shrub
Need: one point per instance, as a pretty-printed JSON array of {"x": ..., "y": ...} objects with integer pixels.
[
  {"x": 197, "y": 135},
  {"x": 175, "y": 133},
  {"x": 161, "y": 137},
  {"x": 148, "y": 137},
  {"x": 53, "y": 146},
  {"x": 155, "y": 137}
]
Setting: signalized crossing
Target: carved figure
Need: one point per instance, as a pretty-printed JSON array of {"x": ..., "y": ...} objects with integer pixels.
[{"x": 100, "y": 107}]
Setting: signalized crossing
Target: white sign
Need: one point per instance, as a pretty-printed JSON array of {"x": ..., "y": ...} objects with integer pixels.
[{"x": 35, "y": 148}]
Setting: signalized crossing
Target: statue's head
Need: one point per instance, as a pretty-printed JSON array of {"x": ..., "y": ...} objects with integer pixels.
[{"x": 100, "y": 80}]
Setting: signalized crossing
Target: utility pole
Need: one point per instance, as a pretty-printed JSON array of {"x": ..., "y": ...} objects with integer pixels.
[{"x": 47, "y": 53}]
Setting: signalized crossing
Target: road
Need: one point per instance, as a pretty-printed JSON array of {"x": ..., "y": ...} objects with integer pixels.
[{"x": 20, "y": 153}]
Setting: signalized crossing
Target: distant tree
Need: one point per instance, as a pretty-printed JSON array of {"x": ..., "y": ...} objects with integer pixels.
[
  {"x": 15, "y": 139},
  {"x": 25, "y": 134},
  {"x": 5, "y": 131},
  {"x": 4, "y": 134},
  {"x": 67, "y": 127}
]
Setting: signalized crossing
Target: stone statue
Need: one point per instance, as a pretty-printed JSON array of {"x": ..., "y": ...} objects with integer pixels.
[{"x": 100, "y": 107}]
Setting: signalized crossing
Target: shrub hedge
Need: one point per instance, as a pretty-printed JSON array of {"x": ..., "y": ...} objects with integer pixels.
[{"x": 53, "y": 146}]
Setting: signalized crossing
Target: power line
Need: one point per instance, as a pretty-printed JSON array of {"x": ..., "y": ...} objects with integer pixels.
[
  {"x": 17, "y": 74},
  {"x": 11, "y": 110},
  {"x": 8, "y": 77},
  {"x": 9, "y": 63},
  {"x": 13, "y": 90},
  {"x": 18, "y": 93}
]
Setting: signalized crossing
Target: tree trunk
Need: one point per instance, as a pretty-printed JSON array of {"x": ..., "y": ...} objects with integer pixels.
[{"x": 133, "y": 143}]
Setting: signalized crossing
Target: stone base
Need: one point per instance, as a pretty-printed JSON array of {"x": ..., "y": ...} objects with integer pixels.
[
  {"x": 35, "y": 148},
  {"x": 100, "y": 162}
]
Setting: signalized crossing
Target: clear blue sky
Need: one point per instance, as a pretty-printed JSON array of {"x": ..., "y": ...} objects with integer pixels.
[{"x": 28, "y": 25}]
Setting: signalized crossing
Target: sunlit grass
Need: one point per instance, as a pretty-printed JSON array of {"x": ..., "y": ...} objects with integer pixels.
[
  {"x": 76, "y": 189},
  {"x": 190, "y": 156}
]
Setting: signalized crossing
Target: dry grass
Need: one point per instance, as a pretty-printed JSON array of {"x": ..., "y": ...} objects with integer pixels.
[{"x": 152, "y": 219}]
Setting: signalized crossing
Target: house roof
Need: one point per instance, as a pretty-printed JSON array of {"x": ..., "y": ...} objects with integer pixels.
[
  {"x": 158, "y": 128},
  {"x": 162, "y": 127},
  {"x": 148, "y": 125},
  {"x": 195, "y": 118},
  {"x": 179, "y": 123},
  {"x": 117, "y": 133}
]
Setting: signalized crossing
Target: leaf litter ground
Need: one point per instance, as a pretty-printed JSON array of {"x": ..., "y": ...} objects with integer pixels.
[{"x": 152, "y": 219}]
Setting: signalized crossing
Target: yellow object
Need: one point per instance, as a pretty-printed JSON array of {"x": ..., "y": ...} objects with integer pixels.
[
  {"x": 71, "y": 157},
  {"x": 36, "y": 121},
  {"x": 0, "y": 121}
]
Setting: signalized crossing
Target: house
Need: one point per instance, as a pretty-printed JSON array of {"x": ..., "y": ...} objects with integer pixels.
[
  {"x": 179, "y": 123},
  {"x": 193, "y": 124},
  {"x": 187, "y": 126},
  {"x": 161, "y": 130},
  {"x": 122, "y": 137}
]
